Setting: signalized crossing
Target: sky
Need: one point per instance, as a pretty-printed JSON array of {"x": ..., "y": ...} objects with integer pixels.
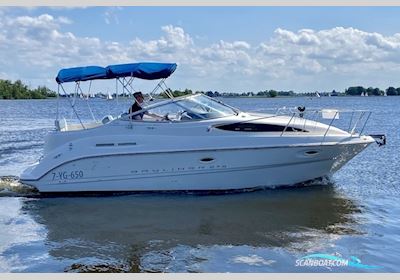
[{"x": 226, "y": 49}]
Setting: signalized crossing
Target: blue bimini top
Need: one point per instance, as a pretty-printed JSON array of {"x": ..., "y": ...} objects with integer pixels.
[
  {"x": 143, "y": 70},
  {"x": 77, "y": 74}
]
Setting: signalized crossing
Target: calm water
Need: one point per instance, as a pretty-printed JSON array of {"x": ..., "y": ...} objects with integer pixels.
[{"x": 356, "y": 213}]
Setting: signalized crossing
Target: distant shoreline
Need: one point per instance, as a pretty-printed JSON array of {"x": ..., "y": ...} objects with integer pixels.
[
  {"x": 19, "y": 91},
  {"x": 228, "y": 97}
]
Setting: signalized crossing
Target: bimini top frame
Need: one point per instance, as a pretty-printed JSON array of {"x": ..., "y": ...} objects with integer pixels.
[{"x": 124, "y": 74}]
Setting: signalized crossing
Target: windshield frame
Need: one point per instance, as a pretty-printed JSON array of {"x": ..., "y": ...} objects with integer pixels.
[{"x": 176, "y": 100}]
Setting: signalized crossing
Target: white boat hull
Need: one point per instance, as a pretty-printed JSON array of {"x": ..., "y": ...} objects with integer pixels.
[
  {"x": 188, "y": 143},
  {"x": 222, "y": 169}
]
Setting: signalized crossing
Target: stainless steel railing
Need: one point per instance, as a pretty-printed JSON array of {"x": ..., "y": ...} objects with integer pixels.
[{"x": 361, "y": 118}]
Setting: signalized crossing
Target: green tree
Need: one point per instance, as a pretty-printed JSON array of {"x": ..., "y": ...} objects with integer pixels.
[
  {"x": 370, "y": 90},
  {"x": 377, "y": 92},
  {"x": 272, "y": 93},
  {"x": 17, "y": 90},
  {"x": 355, "y": 90},
  {"x": 391, "y": 91}
]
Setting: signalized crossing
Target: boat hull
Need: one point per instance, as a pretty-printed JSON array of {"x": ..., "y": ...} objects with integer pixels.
[{"x": 220, "y": 169}]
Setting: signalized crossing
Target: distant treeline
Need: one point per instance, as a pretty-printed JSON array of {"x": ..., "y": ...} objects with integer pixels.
[
  {"x": 17, "y": 90},
  {"x": 353, "y": 91},
  {"x": 372, "y": 91}
]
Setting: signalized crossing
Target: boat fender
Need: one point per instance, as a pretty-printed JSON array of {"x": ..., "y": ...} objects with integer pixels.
[{"x": 61, "y": 125}]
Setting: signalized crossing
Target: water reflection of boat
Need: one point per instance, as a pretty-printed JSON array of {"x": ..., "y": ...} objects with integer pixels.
[
  {"x": 199, "y": 144},
  {"x": 120, "y": 226}
]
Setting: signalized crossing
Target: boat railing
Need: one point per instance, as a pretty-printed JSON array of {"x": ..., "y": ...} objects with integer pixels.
[{"x": 350, "y": 120}]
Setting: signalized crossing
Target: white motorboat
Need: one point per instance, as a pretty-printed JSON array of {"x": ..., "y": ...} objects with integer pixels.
[{"x": 200, "y": 143}]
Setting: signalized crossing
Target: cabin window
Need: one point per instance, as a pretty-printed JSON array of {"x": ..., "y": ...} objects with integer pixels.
[
  {"x": 258, "y": 127},
  {"x": 105, "y": 145}
]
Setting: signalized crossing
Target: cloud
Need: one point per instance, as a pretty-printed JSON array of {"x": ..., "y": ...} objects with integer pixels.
[
  {"x": 35, "y": 48},
  {"x": 175, "y": 42},
  {"x": 347, "y": 49},
  {"x": 110, "y": 15},
  {"x": 38, "y": 43},
  {"x": 65, "y": 20}
]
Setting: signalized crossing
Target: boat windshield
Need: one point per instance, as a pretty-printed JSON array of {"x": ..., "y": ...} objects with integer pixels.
[{"x": 195, "y": 107}]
